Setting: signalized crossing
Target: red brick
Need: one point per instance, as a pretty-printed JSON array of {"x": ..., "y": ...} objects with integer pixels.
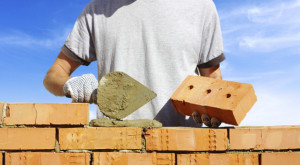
[
  {"x": 44, "y": 158},
  {"x": 133, "y": 158},
  {"x": 27, "y": 138},
  {"x": 265, "y": 138},
  {"x": 100, "y": 138},
  {"x": 46, "y": 114},
  {"x": 229, "y": 101},
  {"x": 186, "y": 139},
  {"x": 217, "y": 159},
  {"x": 280, "y": 158}
]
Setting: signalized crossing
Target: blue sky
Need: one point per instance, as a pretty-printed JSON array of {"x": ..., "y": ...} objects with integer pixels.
[{"x": 261, "y": 42}]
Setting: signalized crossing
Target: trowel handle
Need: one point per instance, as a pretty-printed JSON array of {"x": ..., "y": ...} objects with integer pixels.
[{"x": 94, "y": 96}]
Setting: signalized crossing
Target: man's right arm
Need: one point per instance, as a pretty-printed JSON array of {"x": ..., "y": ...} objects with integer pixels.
[{"x": 59, "y": 73}]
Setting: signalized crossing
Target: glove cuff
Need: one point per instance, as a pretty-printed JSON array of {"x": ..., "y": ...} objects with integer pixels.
[{"x": 67, "y": 88}]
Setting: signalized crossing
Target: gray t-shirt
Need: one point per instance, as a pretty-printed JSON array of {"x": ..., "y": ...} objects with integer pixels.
[{"x": 157, "y": 42}]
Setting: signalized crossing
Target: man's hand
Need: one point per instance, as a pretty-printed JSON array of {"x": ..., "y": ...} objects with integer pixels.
[
  {"x": 82, "y": 89},
  {"x": 204, "y": 118},
  {"x": 58, "y": 81},
  {"x": 212, "y": 72}
]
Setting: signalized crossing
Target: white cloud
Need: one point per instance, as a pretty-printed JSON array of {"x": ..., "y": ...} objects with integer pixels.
[
  {"x": 265, "y": 27},
  {"x": 270, "y": 43},
  {"x": 22, "y": 39},
  {"x": 255, "y": 77},
  {"x": 270, "y": 13},
  {"x": 265, "y": 15}
]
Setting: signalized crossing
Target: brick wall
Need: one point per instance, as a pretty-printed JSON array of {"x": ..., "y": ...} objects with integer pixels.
[{"x": 59, "y": 134}]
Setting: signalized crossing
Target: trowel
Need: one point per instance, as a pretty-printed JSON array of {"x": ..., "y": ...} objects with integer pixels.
[{"x": 119, "y": 95}]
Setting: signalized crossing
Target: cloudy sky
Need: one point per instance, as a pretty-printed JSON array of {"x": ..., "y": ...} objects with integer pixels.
[{"x": 261, "y": 42}]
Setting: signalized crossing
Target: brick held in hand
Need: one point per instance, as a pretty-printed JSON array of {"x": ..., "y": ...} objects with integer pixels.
[{"x": 227, "y": 100}]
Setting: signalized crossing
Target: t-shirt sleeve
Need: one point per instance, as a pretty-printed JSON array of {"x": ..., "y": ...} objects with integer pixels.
[
  {"x": 211, "y": 53},
  {"x": 79, "y": 45}
]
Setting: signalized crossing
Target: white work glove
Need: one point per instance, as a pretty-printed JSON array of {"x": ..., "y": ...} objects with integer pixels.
[
  {"x": 204, "y": 118},
  {"x": 82, "y": 89}
]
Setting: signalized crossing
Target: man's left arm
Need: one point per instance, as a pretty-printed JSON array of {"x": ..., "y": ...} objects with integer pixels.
[{"x": 212, "y": 72}]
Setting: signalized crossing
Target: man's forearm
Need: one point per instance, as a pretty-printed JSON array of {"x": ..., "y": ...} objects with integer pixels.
[
  {"x": 54, "y": 83},
  {"x": 212, "y": 72},
  {"x": 59, "y": 74}
]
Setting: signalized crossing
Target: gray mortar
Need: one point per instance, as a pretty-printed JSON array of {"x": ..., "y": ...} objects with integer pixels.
[
  {"x": 119, "y": 95},
  {"x": 141, "y": 123},
  {"x": 3, "y": 113},
  {"x": 56, "y": 148}
]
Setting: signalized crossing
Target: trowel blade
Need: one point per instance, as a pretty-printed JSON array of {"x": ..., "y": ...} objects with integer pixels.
[{"x": 119, "y": 95}]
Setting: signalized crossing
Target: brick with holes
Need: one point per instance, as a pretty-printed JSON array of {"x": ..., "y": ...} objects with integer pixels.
[{"x": 227, "y": 100}]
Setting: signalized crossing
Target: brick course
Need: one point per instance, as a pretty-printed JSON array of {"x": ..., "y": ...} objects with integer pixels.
[
  {"x": 100, "y": 138},
  {"x": 71, "y": 142},
  {"x": 186, "y": 139},
  {"x": 134, "y": 158},
  {"x": 40, "y": 158},
  {"x": 46, "y": 114}
]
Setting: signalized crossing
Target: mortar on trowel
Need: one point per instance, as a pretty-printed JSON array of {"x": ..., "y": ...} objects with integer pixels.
[{"x": 118, "y": 96}]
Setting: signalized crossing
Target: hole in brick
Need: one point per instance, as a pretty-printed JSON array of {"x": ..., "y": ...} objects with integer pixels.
[
  {"x": 228, "y": 95},
  {"x": 208, "y": 91},
  {"x": 183, "y": 102},
  {"x": 191, "y": 87}
]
